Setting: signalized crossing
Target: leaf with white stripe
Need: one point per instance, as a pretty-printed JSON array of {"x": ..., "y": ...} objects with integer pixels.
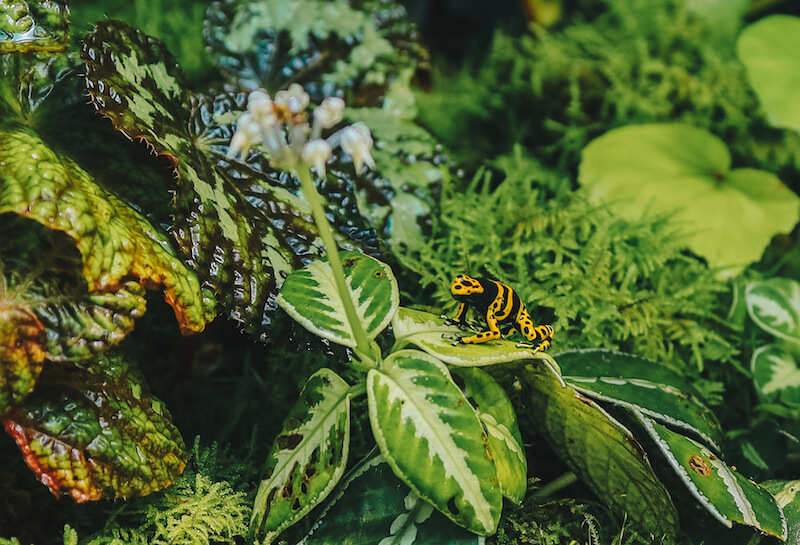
[
  {"x": 774, "y": 305},
  {"x": 787, "y": 494},
  {"x": 432, "y": 438},
  {"x": 311, "y": 298},
  {"x": 505, "y": 441},
  {"x": 776, "y": 374},
  {"x": 307, "y": 458},
  {"x": 725, "y": 493}
]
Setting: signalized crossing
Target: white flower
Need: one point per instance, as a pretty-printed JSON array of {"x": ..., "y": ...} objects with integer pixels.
[
  {"x": 294, "y": 99},
  {"x": 330, "y": 112},
  {"x": 260, "y": 106},
  {"x": 247, "y": 135},
  {"x": 316, "y": 153},
  {"x": 356, "y": 141}
]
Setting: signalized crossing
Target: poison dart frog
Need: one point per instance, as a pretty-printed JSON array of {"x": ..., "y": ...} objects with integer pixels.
[{"x": 501, "y": 306}]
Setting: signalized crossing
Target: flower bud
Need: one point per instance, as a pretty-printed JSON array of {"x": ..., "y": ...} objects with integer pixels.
[
  {"x": 247, "y": 135},
  {"x": 294, "y": 99},
  {"x": 330, "y": 112},
  {"x": 316, "y": 153},
  {"x": 356, "y": 141}
]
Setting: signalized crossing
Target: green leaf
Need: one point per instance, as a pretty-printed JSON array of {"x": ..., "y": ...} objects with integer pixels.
[
  {"x": 776, "y": 375},
  {"x": 634, "y": 382},
  {"x": 428, "y": 332},
  {"x": 116, "y": 242},
  {"x": 497, "y": 415},
  {"x": 774, "y": 305},
  {"x": 602, "y": 452},
  {"x": 31, "y": 26},
  {"x": 372, "y": 505},
  {"x": 685, "y": 172},
  {"x": 21, "y": 354},
  {"x": 311, "y": 298},
  {"x": 433, "y": 440},
  {"x": 785, "y": 493},
  {"x": 767, "y": 49},
  {"x": 307, "y": 458},
  {"x": 725, "y": 493},
  {"x": 96, "y": 433}
]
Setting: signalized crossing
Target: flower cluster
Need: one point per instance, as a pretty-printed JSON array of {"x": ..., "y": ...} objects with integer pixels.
[{"x": 281, "y": 126}]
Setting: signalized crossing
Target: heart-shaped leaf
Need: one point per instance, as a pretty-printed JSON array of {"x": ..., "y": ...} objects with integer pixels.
[
  {"x": 505, "y": 441},
  {"x": 310, "y": 297},
  {"x": 725, "y": 493},
  {"x": 624, "y": 379},
  {"x": 433, "y": 440},
  {"x": 96, "y": 433},
  {"x": 34, "y": 27},
  {"x": 373, "y": 506},
  {"x": 307, "y": 458},
  {"x": 776, "y": 374},
  {"x": 767, "y": 49},
  {"x": 685, "y": 172},
  {"x": 602, "y": 452},
  {"x": 774, "y": 305}
]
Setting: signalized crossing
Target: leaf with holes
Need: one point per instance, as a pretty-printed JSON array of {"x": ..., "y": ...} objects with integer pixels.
[
  {"x": 505, "y": 441},
  {"x": 432, "y": 438},
  {"x": 34, "y": 27},
  {"x": 635, "y": 382},
  {"x": 430, "y": 333},
  {"x": 307, "y": 458},
  {"x": 311, "y": 298},
  {"x": 600, "y": 450},
  {"x": 725, "y": 493},
  {"x": 776, "y": 374},
  {"x": 96, "y": 433},
  {"x": 650, "y": 169},
  {"x": 774, "y": 305}
]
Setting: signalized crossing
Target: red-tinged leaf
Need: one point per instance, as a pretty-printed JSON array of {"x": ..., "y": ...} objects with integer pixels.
[
  {"x": 21, "y": 352},
  {"x": 29, "y": 26},
  {"x": 96, "y": 433}
]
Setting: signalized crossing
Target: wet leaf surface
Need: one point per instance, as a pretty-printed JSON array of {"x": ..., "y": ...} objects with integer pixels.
[{"x": 32, "y": 26}]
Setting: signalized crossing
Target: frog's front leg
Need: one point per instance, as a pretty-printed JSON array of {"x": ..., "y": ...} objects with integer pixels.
[
  {"x": 492, "y": 334},
  {"x": 460, "y": 317}
]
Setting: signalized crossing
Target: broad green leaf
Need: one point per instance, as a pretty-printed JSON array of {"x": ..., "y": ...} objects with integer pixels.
[
  {"x": 634, "y": 382},
  {"x": 602, "y": 452},
  {"x": 776, "y": 374},
  {"x": 373, "y": 506},
  {"x": 21, "y": 352},
  {"x": 96, "y": 433},
  {"x": 505, "y": 441},
  {"x": 767, "y": 49},
  {"x": 432, "y": 438},
  {"x": 774, "y": 305},
  {"x": 785, "y": 493},
  {"x": 31, "y": 26},
  {"x": 307, "y": 458},
  {"x": 428, "y": 332},
  {"x": 311, "y": 298},
  {"x": 685, "y": 172},
  {"x": 116, "y": 242},
  {"x": 725, "y": 493}
]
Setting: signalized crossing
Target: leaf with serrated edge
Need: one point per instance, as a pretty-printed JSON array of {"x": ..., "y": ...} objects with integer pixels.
[
  {"x": 786, "y": 494},
  {"x": 21, "y": 353},
  {"x": 505, "y": 441},
  {"x": 311, "y": 298},
  {"x": 600, "y": 450},
  {"x": 428, "y": 332},
  {"x": 774, "y": 305},
  {"x": 725, "y": 493},
  {"x": 96, "y": 433},
  {"x": 431, "y": 436},
  {"x": 307, "y": 458}
]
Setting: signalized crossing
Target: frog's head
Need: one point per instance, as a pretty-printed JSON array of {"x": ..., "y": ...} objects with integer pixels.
[{"x": 464, "y": 286}]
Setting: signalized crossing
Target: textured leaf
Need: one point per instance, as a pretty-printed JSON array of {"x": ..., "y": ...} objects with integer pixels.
[
  {"x": 774, "y": 305},
  {"x": 623, "y": 379},
  {"x": 776, "y": 374},
  {"x": 31, "y": 26},
  {"x": 767, "y": 50},
  {"x": 311, "y": 298},
  {"x": 96, "y": 433},
  {"x": 373, "y": 506},
  {"x": 428, "y": 332},
  {"x": 21, "y": 352},
  {"x": 433, "y": 439},
  {"x": 117, "y": 244},
  {"x": 685, "y": 171},
  {"x": 307, "y": 458},
  {"x": 785, "y": 493},
  {"x": 505, "y": 441},
  {"x": 726, "y": 494},
  {"x": 602, "y": 452}
]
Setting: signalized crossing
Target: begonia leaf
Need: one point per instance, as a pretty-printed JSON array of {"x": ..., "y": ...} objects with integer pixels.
[
  {"x": 96, "y": 433},
  {"x": 21, "y": 352},
  {"x": 30, "y": 26}
]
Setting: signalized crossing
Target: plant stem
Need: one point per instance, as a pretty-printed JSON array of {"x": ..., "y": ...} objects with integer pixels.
[
  {"x": 332, "y": 250},
  {"x": 559, "y": 483}
]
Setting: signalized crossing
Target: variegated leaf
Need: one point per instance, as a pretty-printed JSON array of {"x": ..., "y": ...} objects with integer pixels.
[
  {"x": 310, "y": 297},
  {"x": 433, "y": 439},
  {"x": 725, "y": 493},
  {"x": 774, "y": 305},
  {"x": 786, "y": 494},
  {"x": 776, "y": 374},
  {"x": 505, "y": 441},
  {"x": 307, "y": 458}
]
